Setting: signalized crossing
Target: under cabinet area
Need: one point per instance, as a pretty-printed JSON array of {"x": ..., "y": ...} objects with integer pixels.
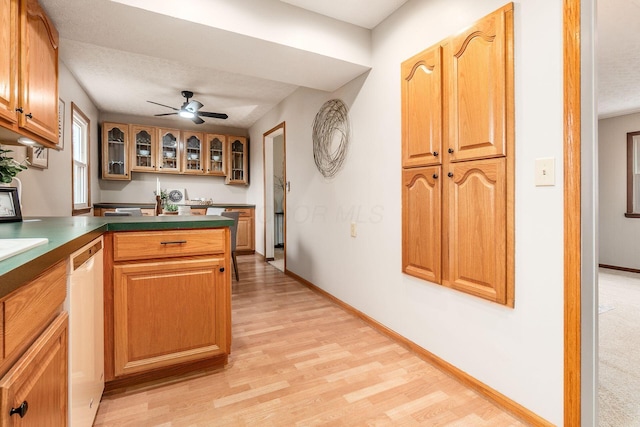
[
  {"x": 458, "y": 160},
  {"x": 130, "y": 148},
  {"x": 167, "y": 301}
]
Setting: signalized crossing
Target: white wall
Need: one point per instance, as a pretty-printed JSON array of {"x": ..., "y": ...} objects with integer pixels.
[
  {"x": 518, "y": 352},
  {"x": 47, "y": 192},
  {"x": 619, "y": 236}
]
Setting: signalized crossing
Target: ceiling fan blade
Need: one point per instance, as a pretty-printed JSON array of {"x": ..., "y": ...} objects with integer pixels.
[
  {"x": 214, "y": 115},
  {"x": 197, "y": 120},
  {"x": 165, "y": 114},
  {"x": 162, "y": 105},
  {"x": 193, "y": 106}
]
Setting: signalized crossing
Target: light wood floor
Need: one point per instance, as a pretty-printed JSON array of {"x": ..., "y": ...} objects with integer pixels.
[{"x": 299, "y": 360}]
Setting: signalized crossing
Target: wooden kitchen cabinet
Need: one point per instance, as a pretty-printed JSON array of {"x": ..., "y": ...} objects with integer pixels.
[
  {"x": 216, "y": 161},
  {"x": 37, "y": 385},
  {"x": 38, "y": 94},
  {"x": 421, "y": 222},
  {"x": 28, "y": 71},
  {"x": 476, "y": 207},
  {"x": 422, "y": 108},
  {"x": 115, "y": 151},
  {"x": 480, "y": 88},
  {"x": 246, "y": 235},
  {"x": 238, "y": 167},
  {"x": 34, "y": 359},
  {"x": 457, "y": 206},
  {"x": 167, "y": 301},
  {"x": 169, "y": 150},
  {"x": 144, "y": 148},
  {"x": 193, "y": 153}
]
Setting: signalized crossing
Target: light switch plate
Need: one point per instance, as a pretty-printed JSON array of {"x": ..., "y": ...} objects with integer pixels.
[{"x": 545, "y": 172}]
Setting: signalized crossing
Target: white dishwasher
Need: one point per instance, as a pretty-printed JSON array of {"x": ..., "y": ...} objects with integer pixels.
[{"x": 86, "y": 333}]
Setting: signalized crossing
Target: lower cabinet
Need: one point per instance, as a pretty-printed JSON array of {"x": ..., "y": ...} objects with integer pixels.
[
  {"x": 167, "y": 302},
  {"x": 167, "y": 313},
  {"x": 34, "y": 391},
  {"x": 246, "y": 235}
]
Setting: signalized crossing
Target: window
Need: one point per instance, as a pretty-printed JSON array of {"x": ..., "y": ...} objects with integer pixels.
[{"x": 80, "y": 177}]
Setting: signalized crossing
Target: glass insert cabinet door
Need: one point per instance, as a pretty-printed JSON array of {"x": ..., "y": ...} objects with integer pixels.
[
  {"x": 169, "y": 153},
  {"x": 193, "y": 150},
  {"x": 115, "y": 151},
  {"x": 238, "y": 172},
  {"x": 216, "y": 154},
  {"x": 144, "y": 148}
]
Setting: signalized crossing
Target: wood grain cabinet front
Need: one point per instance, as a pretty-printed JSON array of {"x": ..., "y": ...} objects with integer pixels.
[
  {"x": 167, "y": 301},
  {"x": 34, "y": 392},
  {"x": 246, "y": 235}
]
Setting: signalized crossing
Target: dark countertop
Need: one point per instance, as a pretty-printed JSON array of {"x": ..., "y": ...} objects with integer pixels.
[
  {"x": 68, "y": 234},
  {"x": 152, "y": 205}
]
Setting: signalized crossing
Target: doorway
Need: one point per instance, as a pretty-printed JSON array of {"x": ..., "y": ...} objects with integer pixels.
[{"x": 274, "y": 160}]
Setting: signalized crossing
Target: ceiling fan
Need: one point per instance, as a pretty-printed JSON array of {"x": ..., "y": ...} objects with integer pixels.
[{"x": 190, "y": 110}]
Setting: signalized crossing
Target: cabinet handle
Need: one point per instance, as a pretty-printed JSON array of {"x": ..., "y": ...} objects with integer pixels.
[
  {"x": 450, "y": 174},
  {"x": 450, "y": 150},
  {"x": 435, "y": 154},
  {"x": 435, "y": 176},
  {"x": 29, "y": 115},
  {"x": 20, "y": 410},
  {"x": 173, "y": 242},
  {"x": 19, "y": 110},
  {"x": 221, "y": 269}
]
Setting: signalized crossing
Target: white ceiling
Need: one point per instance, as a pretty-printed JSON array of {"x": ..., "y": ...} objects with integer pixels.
[
  {"x": 242, "y": 57},
  {"x": 239, "y": 57}
]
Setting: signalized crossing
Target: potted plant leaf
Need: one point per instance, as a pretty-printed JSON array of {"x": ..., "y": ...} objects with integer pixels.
[{"x": 9, "y": 167}]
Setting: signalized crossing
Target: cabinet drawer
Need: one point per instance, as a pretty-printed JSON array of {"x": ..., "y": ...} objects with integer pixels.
[
  {"x": 28, "y": 310},
  {"x": 167, "y": 244},
  {"x": 244, "y": 213}
]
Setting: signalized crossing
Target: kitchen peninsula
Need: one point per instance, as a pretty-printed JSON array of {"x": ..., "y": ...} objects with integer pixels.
[{"x": 167, "y": 302}]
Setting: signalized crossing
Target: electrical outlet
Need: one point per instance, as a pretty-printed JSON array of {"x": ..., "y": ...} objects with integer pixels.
[{"x": 354, "y": 231}]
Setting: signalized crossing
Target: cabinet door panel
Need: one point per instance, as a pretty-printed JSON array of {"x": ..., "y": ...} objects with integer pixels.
[
  {"x": 167, "y": 313},
  {"x": 144, "y": 148},
  {"x": 8, "y": 59},
  {"x": 477, "y": 228},
  {"x": 39, "y": 72},
  {"x": 421, "y": 223},
  {"x": 40, "y": 379},
  {"x": 422, "y": 108},
  {"x": 115, "y": 151},
  {"x": 480, "y": 90}
]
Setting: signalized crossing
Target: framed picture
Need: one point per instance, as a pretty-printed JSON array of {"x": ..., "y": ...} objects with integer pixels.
[
  {"x": 38, "y": 157},
  {"x": 60, "y": 124},
  {"x": 9, "y": 205}
]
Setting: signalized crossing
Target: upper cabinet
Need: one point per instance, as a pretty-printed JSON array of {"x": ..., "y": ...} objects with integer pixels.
[
  {"x": 422, "y": 108},
  {"x": 216, "y": 154},
  {"x": 169, "y": 150},
  {"x": 144, "y": 153},
  {"x": 192, "y": 159},
  {"x": 480, "y": 88},
  {"x": 238, "y": 171},
  {"x": 29, "y": 49},
  {"x": 38, "y": 97},
  {"x": 8, "y": 60},
  {"x": 115, "y": 151}
]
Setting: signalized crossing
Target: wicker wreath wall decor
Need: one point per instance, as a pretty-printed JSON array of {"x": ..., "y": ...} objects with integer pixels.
[{"x": 332, "y": 121}]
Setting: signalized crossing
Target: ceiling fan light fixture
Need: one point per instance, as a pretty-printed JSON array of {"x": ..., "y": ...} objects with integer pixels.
[{"x": 186, "y": 114}]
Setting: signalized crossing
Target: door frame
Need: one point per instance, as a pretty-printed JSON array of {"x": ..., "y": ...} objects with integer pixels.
[{"x": 267, "y": 143}]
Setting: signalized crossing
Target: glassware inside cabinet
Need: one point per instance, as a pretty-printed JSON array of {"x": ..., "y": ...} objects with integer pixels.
[
  {"x": 215, "y": 155},
  {"x": 116, "y": 152},
  {"x": 142, "y": 140},
  {"x": 193, "y": 153},
  {"x": 237, "y": 161},
  {"x": 169, "y": 151}
]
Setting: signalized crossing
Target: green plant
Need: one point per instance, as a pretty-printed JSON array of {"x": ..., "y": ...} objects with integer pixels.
[
  {"x": 9, "y": 167},
  {"x": 170, "y": 207}
]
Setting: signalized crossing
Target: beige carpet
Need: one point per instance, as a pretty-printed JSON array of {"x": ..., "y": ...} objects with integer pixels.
[
  {"x": 278, "y": 261},
  {"x": 619, "y": 348}
]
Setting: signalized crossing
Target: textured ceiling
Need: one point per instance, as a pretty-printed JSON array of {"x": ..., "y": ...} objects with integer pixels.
[
  {"x": 365, "y": 13},
  {"x": 127, "y": 52},
  {"x": 618, "y": 57}
]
